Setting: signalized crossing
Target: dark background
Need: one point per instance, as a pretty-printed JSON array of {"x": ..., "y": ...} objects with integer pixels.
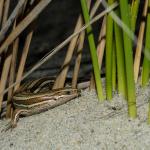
[{"x": 53, "y": 26}]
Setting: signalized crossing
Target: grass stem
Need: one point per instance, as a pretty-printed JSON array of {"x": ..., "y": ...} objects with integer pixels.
[
  {"x": 146, "y": 61},
  {"x": 125, "y": 15},
  {"x": 109, "y": 47},
  {"x": 93, "y": 51}
]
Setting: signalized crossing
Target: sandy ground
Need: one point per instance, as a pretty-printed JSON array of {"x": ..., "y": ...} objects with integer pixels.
[{"x": 83, "y": 123}]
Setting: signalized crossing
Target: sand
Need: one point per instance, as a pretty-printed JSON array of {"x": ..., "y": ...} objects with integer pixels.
[{"x": 83, "y": 123}]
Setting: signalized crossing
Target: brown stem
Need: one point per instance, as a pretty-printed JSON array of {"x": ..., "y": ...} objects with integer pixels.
[
  {"x": 13, "y": 64},
  {"x": 8, "y": 55},
  {"x": 11, "y": 19},
  {"x": 6, "y": 11},
  {"x": 59, "y": 83},
  {"x": 140, "y": 43},
  {"x": 12, "y": 77},
  {"x": 78, "y": 60},
  {"x": 23, "y": 59},
  {"x": 4, "y": 76},
  {"x": 62, "y": 76},
  {"x": 59, "y": 47},
  {"x": 1, "y": 10},
  {"x": 24, "y": 23}
]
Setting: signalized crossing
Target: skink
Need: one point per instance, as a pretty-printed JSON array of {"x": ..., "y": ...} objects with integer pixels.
[{"x": 37, "y": 96}]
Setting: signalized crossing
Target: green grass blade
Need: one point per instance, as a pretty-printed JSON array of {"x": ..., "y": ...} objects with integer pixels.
[
  {"x": 109, "y": 39},
  {"x": 93, "y": 51},
  {"x": 114, "y": 67},
  {"x": 125, "y": 15},
  {"x": 121, "y": 73},
  {"x": 134, "y": 13}
]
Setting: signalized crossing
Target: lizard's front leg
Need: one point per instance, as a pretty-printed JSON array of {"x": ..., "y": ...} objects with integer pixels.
[{"x": 16, "y": 115}]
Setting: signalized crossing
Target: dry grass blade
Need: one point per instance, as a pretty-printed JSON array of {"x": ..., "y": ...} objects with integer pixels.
[
  {"x": 4, "y": 76},
  {"x": 95, "y": 8},
  {"x": 6, "y": 11},
  {"x": 78, "y": 59},
  {"x": 13, "y": 64},
  {"x": 7, "y": 60},
  {"x": 12, "y": 76},
  {"x": 61, "y": 45},
  {"x": 25, "y": 49},
  {"x": 23, "y": 58},
  {"x": 1, "y": 10},
  {"x": 62, "y": 76},
  {"x": 24, "y": 23},
  {"x": 92, "y": 82},
  {"x": 11, "y": 19},
  {"x": 140, "y": 43},
  {"x": 102, "y": 42},
  {"x": 63, "y": 73}
]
